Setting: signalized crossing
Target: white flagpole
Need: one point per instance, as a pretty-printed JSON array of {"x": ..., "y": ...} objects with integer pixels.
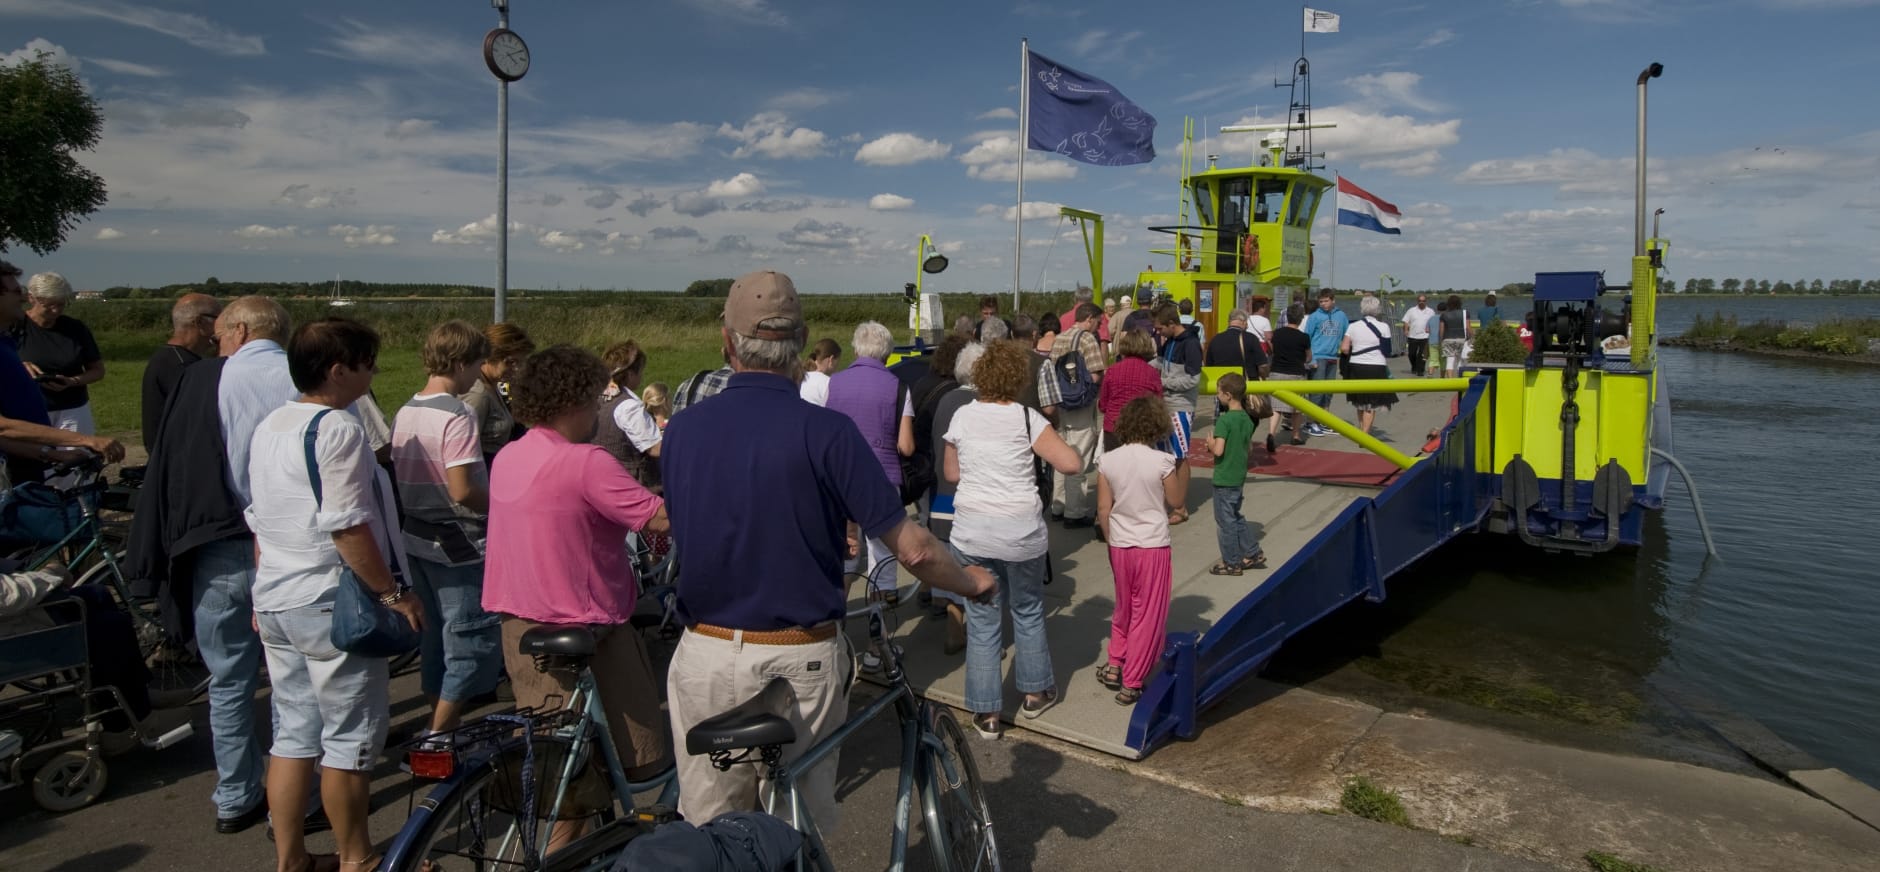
[
  {"x": 1024, "y": 135},
  {"x": 1331, "y": 271}
]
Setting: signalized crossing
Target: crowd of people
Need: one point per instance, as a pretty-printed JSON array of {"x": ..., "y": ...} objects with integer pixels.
[{"x": 500, "y": 498}]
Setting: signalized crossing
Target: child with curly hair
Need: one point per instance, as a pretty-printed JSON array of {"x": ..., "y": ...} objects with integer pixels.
[{"x": 1136, "y": 483}]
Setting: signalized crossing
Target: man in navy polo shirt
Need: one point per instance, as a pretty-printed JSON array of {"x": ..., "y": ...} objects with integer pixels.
[{"x": 763, "y": 490}]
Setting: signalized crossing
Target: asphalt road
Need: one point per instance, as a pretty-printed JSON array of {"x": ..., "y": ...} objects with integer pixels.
[{"x": 1053, "y": 810}]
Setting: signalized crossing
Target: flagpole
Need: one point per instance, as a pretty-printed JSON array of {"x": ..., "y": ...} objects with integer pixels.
[
  {"x": 1331, "y": 271},
  {"x": 1024, "y": 136}
]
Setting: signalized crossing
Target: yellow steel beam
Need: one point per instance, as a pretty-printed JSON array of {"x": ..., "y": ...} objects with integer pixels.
[
  {"x": 1338, "y": 424},
  {"x": 1363, "y": 386}
]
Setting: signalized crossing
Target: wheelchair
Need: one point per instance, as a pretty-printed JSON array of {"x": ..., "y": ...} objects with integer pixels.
[{"x": 52, "y": 716}]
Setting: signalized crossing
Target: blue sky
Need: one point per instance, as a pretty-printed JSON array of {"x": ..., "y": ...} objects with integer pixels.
[{"x": 661, "y": 141}]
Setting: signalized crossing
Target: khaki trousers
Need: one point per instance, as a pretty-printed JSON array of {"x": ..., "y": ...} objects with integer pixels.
[
  {"x": 709, "y": 676},
  {"x": 1075, "y": 496}
]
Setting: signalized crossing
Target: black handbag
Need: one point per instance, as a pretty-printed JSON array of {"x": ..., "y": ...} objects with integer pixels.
[
  {"x": 361, "y": 624},
  {"x": 1041, "y": 476}
]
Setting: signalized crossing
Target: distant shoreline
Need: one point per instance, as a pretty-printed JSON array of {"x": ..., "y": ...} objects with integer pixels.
[{"x": 1725, "y": 345}]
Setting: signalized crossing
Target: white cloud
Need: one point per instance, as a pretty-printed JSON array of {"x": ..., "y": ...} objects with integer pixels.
[
  {"x": 308, "y": 197},
  {"x": 1391, "y": 89},
  {"x": 1559, "y": 166},
  {"x": 411, "y": 127},
  {"x": 801, "y": 99},
  {"x": 55, "y": 54},
  {"x": 1104, "y": 45},
  {"x": 1034, "y": 210},
  {"x": 753, "y": 12},
  {"x": 561, "y": 241},
  {"x": 476, "y": 232},
  {"x": 193, "y": 29},
  {"x": 889, "y": 202},
  {"x": 371, "y": 234},
  {"x": 768, "y": 206},
  {"x": 604, "y": 196},
  {"x": 1442, "y": 36},
  {"x": 1374, "y": 140},
  {"x": 738, "y": 186},
  {"x": 262, "y": 231},
  {"x": 198, "y": 116},
  {"x": 393, "y": 45},
  {"x": 770, "y": 134},
  {"x": 900, "y": 149},
  {"x": 995, "y": 159},
  {"x": 644, "y": 204},
  {"x": 735, "y": 243},
  {"x": 108, "y": 233},
  {"x": 680, "y": 232},
  {"x": 811, "y": 233},
  {"x": 1001, "y": 112},
  {"x": 130, "y": 69}
]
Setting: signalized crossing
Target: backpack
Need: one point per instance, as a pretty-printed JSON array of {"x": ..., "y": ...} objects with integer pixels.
[
  {"x": 1383, "y": 342},
  {"x": 1076, "y": 389}
]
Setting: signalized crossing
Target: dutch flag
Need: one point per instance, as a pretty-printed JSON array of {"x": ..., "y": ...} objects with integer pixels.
[{"x": 1358, "y": 207}]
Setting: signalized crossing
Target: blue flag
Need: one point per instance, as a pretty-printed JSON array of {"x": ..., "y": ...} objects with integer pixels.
[{"x": 1085, "y": 118}]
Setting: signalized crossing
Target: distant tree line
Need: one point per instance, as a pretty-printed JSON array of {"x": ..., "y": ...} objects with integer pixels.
[{"x": 1765, "y": 286}]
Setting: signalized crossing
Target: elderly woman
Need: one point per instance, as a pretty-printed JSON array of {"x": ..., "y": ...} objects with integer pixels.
[
  {"x": 625, "y": 428},
  {"x": 322, "y": 505},
  {"x": 880, "y": 405},
  {"x": 60, "y": 353},
  {"x": 496, "y": 427},
  {"x": 1364, "y": 341},
  {"x": 560, "y": 510},
  {"x": 998, "y": 523},
  {"x": 947, "y": 403}
]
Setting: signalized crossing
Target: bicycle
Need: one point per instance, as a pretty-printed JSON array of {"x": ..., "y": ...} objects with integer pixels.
[
  {"x": 489, "y": 809},
  {"x": 935, "y": 760},
  {"x": 70, "y": 501}
]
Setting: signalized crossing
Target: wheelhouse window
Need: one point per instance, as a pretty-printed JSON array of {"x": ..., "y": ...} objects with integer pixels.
[
  {"x": 1271, "y": 198},
  {"x": 1304, "y": 201}
]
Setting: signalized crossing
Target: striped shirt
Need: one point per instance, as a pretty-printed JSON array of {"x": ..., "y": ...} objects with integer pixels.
[{"x": 435, "y": 433}]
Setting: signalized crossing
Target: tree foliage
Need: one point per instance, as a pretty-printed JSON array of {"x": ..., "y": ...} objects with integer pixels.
[
  {"x": 45, "y": 116},
  {"x": 1497, "y": 342},
  {"x": 709, "y": 288}
]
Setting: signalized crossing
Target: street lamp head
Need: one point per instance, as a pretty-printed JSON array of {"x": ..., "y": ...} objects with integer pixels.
[
  {"x": 500, "y": 5},
  {"x": 1651, "y": 72}
]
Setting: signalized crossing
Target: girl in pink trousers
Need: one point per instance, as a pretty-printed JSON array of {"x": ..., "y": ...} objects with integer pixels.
[{"x": 1135, "y": 486}]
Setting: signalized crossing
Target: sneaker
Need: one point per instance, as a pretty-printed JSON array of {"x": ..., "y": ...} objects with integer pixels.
[
  {"x": 1035, "y": 706},
  {"x": 989, "y": 725},
  {"x": 871, "y": 662}
]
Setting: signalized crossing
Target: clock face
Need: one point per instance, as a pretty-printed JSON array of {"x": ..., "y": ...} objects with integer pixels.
[{"x": 506, "y": 54}]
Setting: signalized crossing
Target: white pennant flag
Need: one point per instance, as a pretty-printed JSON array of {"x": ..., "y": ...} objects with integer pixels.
[{"x": 1319, "y": 21}]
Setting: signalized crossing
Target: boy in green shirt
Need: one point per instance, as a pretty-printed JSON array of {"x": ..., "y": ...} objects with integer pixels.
[{"x": 1233, "y": 433}]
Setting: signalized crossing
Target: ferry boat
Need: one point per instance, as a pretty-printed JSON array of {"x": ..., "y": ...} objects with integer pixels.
[{"x": 1566, "y": 451}]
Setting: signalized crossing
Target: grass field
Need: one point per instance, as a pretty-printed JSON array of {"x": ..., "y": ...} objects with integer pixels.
[{"x": 679, "y": 335}]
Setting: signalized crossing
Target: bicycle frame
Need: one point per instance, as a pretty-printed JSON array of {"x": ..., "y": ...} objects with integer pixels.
[{"x": 587, "y": 731}]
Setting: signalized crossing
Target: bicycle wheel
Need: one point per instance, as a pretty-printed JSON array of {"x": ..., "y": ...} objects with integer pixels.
[
  {"x": 177, "y": 674},
  {"x": 476, "y": 821},
  {"x": 959, "y": 822}
]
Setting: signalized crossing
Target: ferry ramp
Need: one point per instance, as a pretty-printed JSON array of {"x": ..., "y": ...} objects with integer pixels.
[{"x": 1335, "y": 521}]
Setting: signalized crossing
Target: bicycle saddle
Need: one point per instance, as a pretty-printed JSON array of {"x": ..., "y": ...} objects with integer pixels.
[
  {"x": 754, "y": 723},
  {"x": 563, "y": 641}
]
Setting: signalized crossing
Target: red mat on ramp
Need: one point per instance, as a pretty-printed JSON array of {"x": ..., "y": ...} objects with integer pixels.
[{"x": 1316, "y": 464}]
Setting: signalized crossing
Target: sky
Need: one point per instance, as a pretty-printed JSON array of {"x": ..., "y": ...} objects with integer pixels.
[{"x": 657, "y": 142}]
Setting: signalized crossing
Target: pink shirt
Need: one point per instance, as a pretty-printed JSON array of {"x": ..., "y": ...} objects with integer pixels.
[
  {"x": 1138, "y": 515},
  {"x": 559, "y": 516}
]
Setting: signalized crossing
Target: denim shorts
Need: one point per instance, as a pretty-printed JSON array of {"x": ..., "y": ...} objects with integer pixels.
[
  {"x": 460, "y": 653},
  {"x": 328, "y": 704}
]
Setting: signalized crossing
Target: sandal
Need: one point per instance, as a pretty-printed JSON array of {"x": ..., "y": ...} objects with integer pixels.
[
  {"x": 369, "y": 864},
  {"x": 1257, "y": 561},
  {"x": 1111, "y": 676},
  {"x": 1223, "y": 569},
  {"x": 1177, "y": 517},
  {"x": 1128, "y": 695},
  {"x": 1297, "y": 441}
]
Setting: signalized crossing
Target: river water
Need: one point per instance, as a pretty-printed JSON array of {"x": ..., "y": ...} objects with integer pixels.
[{"x": 1783, "y": 629}]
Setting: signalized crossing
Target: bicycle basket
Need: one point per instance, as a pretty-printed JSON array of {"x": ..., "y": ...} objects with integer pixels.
[
  {"x": 34, "y": 512},
  {"x": 588, "y": 792}
]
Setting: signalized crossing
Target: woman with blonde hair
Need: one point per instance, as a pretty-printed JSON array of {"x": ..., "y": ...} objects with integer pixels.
[
  {"x": 60, "y": 353},
  {"x": 625, "y": 428}
]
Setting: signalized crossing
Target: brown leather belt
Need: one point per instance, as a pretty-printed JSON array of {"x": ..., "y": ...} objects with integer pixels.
[{"x": 788, "y": 636}]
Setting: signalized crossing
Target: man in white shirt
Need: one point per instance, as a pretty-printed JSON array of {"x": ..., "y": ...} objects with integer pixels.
[{"x": 1416, "y": 326}]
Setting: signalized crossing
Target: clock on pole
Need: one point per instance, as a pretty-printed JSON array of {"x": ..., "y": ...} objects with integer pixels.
[{"x": 506, "y": 54}]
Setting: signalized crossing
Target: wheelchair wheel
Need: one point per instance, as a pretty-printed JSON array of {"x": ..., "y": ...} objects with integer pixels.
[{"x": 70, "y": 780}]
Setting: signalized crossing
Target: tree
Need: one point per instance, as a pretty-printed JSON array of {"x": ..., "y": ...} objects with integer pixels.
[
  {"x": 1669, "y": 286},
  {"x": 44, "y": 192},
  {"x": 1762, "y": 286},
  {"x": 1814, "y": 287},
  {"x": 709, "y": 288},
  {"x": 1731, "y": 286}
]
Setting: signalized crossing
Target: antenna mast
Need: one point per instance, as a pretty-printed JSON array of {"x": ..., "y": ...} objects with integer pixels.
[{"x": 1299, "y": 118}]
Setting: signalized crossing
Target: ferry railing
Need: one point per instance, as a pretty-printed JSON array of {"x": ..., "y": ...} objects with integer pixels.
[{"x": 1429, "y": 503}]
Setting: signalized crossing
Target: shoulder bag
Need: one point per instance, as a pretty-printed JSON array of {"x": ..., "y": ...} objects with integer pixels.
[{"x": 361, "y": 624}]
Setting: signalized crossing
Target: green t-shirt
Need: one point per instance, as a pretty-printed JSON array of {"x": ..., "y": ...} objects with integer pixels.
[{"x": 1236, "y": 428}]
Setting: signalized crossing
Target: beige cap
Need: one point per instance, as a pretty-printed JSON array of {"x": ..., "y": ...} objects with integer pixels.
[{"x": 762, "y": 296}]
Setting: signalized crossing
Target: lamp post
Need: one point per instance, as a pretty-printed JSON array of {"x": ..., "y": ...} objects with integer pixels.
[{"x": 1638, "y": 228}]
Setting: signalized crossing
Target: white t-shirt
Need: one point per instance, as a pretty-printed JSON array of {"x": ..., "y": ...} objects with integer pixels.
[
  {"x": 815, "y": 387},
  {"x": 1416, "y": 322},
  {"x": 1260, "y": 327},
  {"x": 1365, "y": 345},
  {"x": 634, "y": 420},
  {"x": 1138, "y": 510},
  {"x": 299, "y": 565},
  {"x": 996, "y": 512}
]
